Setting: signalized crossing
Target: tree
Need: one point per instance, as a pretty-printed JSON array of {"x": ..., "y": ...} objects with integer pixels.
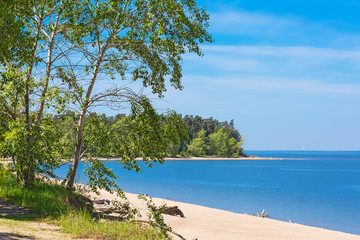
[
  {"x": 15, "y": 40},
  {"x": 219, "y": 144},
  {"x": 34, "y": 29},
  {"x": 222, "y": 144},
  {"x": 73, "y": 47},
  {"x": 173, "y": 149},
  {"x": 137, "y": 40},
  {"x": 199, "y": 145}
]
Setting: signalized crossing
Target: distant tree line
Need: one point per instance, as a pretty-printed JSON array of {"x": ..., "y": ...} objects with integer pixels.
[{"x": 206, "y": 136}]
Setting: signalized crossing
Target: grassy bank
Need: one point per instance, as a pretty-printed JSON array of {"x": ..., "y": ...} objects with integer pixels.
[{"x": 51, "y": 201}]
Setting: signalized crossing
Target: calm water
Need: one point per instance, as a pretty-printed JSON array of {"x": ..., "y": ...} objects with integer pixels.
[{"x": 320, "y": 189}]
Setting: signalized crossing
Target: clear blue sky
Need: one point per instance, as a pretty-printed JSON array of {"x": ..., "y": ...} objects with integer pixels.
[{"x": 287, "y": 72}]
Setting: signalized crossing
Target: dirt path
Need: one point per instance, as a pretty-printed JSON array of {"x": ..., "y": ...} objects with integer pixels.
[
  {"x": 20, "y": 223},
  {"x": 8, "y": 210}
]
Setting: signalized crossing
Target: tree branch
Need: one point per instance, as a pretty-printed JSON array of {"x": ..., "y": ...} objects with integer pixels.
[{"x": 93, "y": 142}]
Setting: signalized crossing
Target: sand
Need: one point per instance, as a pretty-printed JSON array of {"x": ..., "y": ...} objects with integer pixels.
[{"x": 206, "y": 223}]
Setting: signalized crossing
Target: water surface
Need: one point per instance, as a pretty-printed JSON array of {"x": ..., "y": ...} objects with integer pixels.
[{"x": 320, "y": 189}]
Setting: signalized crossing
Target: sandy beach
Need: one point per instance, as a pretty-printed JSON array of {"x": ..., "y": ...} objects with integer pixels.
[{"x": 206, "y": 223}]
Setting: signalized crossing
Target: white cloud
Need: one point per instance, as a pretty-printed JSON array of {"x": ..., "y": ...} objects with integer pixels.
[
  {"x": 291, "y": 64},
  {"x": 241, "y": 21},
  {"x": 284, "y": 51},
  {"x": 277, "y": 85}
]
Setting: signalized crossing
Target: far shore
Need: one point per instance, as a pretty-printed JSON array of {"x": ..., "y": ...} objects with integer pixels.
[
  {"x": 7, "y": 161},
  {"x": 196, "y": 158}
]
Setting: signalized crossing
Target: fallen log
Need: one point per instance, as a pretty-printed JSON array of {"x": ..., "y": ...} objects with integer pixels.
[{"x": 174, "y": 211}]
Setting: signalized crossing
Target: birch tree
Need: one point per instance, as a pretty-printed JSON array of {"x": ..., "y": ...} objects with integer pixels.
[
  {"x": 29, "y": 55},
  {"x": 134, "y": 40},
  {"x": 83, "y": 54}
]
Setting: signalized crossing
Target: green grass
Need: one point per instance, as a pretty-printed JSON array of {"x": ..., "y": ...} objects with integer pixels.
[
  {"x": 49, "y": 200},
  {"x": 45, "y": 198},
  {"x": 81, "y": 225}
]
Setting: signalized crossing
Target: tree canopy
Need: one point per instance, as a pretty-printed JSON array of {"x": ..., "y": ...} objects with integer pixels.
[
  {"x": 78, "y": 55},
  {"x": 216, "y": 139}
]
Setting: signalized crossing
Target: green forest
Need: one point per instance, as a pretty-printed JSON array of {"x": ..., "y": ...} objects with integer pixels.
[
  {"x": 203, "y": 136},
  {"x": 208, "y": 137}
]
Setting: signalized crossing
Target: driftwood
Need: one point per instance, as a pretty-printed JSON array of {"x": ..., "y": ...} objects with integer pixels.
[
  {"x": 263, "y": 215},
  {"x": 84, "y": 202},
  {"x": 174, "y": 211},
  {"x": 102, "y": 202},
  {"x": 102, "y": 206},
  {"x": 98, "y": 216}
]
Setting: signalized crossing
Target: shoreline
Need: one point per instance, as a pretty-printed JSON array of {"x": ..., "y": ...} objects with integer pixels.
[
  {"x": 7, "y": 161},
  {"x": 205, "y": 223},
  {"x": 196, "y": 158}
]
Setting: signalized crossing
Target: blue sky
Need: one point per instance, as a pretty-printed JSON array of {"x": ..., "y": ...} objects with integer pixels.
[{"x": 287, "y": 72}]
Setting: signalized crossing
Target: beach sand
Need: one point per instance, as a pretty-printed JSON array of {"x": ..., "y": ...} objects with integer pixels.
[{"x": 206, "y": 223}]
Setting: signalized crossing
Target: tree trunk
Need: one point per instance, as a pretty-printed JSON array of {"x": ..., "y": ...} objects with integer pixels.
[
  {"x": 48, "y": 71},
  {"x": 28, "y": 168},
  {"x": 77, "y": 151},
  {"x": 70, "y": 178}
]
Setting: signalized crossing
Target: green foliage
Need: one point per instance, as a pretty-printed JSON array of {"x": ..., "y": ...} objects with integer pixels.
[
  {"x": 198, "y": 146},
  {"x": 209, "y": 137},
  {"x": 12, "y": 88},
  {"x": 50, "y": 200},
  {"x": 144, "y": 133},
  {"x": 154, "y": 215},
  {"x": 81, "y": 225},
  {"x": 41, "y": 158},
  {"x": 66, "y": 123},
  {"x": 67, "y": 46},
  {"x": 101, "y": 177},
  {"x": 124, "y": 209},
  {"x": 47, "y": 199},
  {"x": 219, "y": 143},
  {"x": 5, "y": 176},
  {"x": 132, "y": 40},
  {"x": 15, "y": 39},
  {"x": 173, "y": 149},
  {"x": 108, "y": 136},
  {"x": 154, "y": 34},
  {"x": 210, "y": 125}
]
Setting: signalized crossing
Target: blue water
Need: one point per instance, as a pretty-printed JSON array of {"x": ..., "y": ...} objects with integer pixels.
[{"x": 314, "y": 188}]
